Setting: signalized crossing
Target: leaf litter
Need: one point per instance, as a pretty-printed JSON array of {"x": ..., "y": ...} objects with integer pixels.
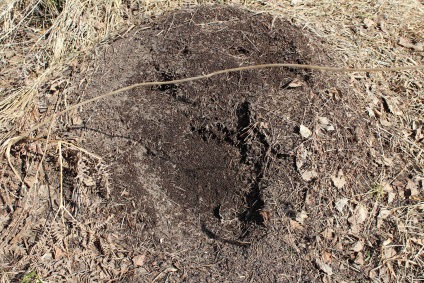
[{"x": 312, "y": 190}]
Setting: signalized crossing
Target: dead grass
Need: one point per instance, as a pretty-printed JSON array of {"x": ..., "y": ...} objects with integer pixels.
[{"x": 42, "y": 39}]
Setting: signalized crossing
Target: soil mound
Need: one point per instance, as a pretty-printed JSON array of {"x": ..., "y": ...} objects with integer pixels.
[{"x": 210, "y": 177}]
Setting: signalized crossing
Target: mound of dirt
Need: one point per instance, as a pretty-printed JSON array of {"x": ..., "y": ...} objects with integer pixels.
[{"x": 220, "y": 179}]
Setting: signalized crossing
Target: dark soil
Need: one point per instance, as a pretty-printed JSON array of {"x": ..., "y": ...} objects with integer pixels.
[{"x": 204, "y": 177}]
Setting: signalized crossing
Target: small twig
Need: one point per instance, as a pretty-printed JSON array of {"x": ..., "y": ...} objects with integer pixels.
[{"x": 225, "y": 71}]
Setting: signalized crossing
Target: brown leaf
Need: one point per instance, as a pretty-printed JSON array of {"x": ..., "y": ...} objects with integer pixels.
[
  {"x": 372, "y": 274},
  {"x": 359, "y": 259},
  {"x": 324, "y": 267},
  {"x": 339, "y": 181},
  {"x": 305, "y": 132},
  {"x": 406, "y": 42},
  {"x": 139, "y": 260},
  {"x": 309, "y": 175},
  {"x": 58, "y": 253},
  {"x": 3, "y": 220},
  {"x": 385, "y": 122},
  {"x": 296, "y": 225},
  {"x": 359, "y": 216},
  {"x": 301, "y": 216},
  {"x": 326, "y": 256},
  {"x": 386, "y": 187},
  {"x": 382, "y": 25},
  {"x": 393, "y": 105},
  {"x": 371, "y": 112},
  {"x": 47, "y": 257},
  {"x": 358, "y": 246},
  {"x": 77, "y": 121},
  {"x": 266, "y": 216},
  {"x": 411, "y": 189},
  {"x": 389, "y": 252},
  {"x": 89, "y": 181},
  {"x": 296, "y": 83},
  {"x": 368, "y": 23},
  {"x": 328, "y": 234},
  {"x": 325, "y": 124},
  {"x": 9, "y": 54},
  {"x": 341, "y": 203},
  {"x": 384, "y": 275}
]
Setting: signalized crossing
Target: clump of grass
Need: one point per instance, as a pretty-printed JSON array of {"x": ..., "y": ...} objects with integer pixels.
[
  {"x": 377, "y": 191},
  {"x": 31, "y": 277}
]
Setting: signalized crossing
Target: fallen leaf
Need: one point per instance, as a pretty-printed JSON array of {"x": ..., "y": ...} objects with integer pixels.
[
  {"x": 301, "y": 216},
  {"x": 389, "y": 252},
  {"x": 296, "y": 225},
  {"x": 139, "y": 260},
  {"x": 384, "y": 213},
  {"x": 296, "y": 2},
  {"x": 328, "y": 234},
  {"x": 358, "y": 246},
  {"x": 387, "y": 161},
  {"x": 58, "y": 253},
  {"x": 406, "y": 42},
  {"x": 77, "y": 121},
  {"x": 47, "y": 257},
  {"x": 3, "y": 220},
  {"x": 372, "y": 274},
  {"x": 368, "y": 23},
  {"x": 266, "y": 216},
  {"x": 296, "y": 83},
  {"x": 325, "y": 124},
  {"x": 386, "y": 187},
  {"x": 309, "y": 175},
  {"x": 385, "y": 122},
  {"x": 323, "y": 121},
  {"x": 330, "y": 128},
  {"x": 339, "y": 181},
  {"x": 339, "y": 246},
  {"x": 359, "y": 259},
  {"x": 359, "y": 216},
  {"x": 326, "y": 256},
  {"x": 388, "y": 241},
  {"x": 383, "y": 27},
  {"x": 324, "y": 267},
  {"x": 411, "y": 189},
  {"x": 9, "y": 54},
  {"x": 392, "y": 105},
  {"x": 89, "y": 181},
  {"x": 370, "y": 112},
  {"x": 341, "y": 203},
  {"x": 401, "y": 227},
  {"x": 384, "y": 275},
  {"x": 305, "y": 132}
]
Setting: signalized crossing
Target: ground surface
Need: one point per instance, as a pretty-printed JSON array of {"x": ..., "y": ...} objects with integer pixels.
[
  {"x": 218, "y": 180},
  {"x": 205, "y": 172}
]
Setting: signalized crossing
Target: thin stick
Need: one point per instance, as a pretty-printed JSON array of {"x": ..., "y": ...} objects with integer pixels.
[{"x": 244, "y": 68}]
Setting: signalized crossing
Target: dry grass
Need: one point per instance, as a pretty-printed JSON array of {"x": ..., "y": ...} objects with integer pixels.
[{"x": 41, "y": 39}]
